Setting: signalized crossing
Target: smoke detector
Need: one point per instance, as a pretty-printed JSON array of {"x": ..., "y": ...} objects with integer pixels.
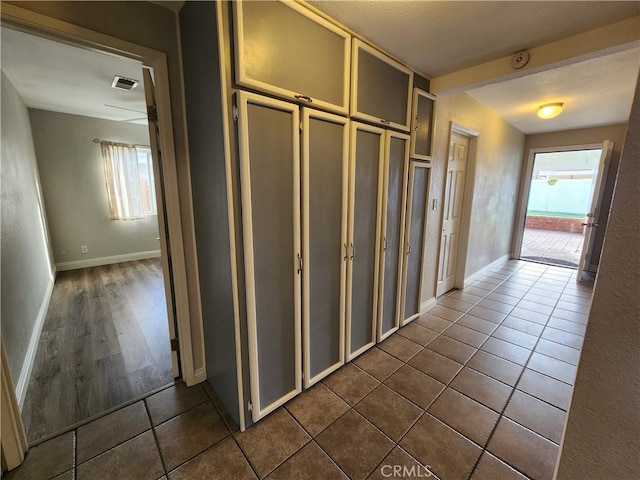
[{"x": 123, "y": 83}]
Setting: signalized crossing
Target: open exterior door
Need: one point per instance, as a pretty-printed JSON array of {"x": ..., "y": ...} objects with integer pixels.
[
  {"x": 156, "y": 154},
  {"x": 594, "y": 211}
]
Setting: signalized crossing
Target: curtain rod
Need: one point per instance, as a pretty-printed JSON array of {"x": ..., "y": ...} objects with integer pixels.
[{"x": 97, "y": 140}]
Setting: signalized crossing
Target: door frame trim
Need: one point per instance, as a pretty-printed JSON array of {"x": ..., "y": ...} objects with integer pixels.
[
  {"x": 525, "y": 187},
  {"x": 467, "y": 200}
]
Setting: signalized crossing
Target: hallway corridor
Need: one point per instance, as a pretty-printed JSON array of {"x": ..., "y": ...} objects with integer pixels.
[{"x": 477, "y": 388}]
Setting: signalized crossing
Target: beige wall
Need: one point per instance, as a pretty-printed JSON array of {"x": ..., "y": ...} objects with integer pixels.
[
  {"x": 602, "y": 436},
  {"x": 74, "y": 189},
  {"x": 26, "y": 267},
  {"x": 585, "y": 136},
  {"x": 497, "y": 173}
]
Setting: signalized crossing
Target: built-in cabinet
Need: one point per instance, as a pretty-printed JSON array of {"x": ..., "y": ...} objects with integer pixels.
[
  {"x": 422, "y": 119},
  {"x": 326, "y": 213},
  {"x": 284, "y": 49},
  {"x": 414, "y": 238},
  {"x": 380, "y": 88}
]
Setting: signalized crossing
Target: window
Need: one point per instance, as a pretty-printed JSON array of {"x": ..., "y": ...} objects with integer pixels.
[
  {"x": 145, "y": 180},
  {"x": 129, "y": 178}
]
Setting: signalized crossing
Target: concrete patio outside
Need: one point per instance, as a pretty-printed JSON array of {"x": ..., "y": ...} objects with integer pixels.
[{"x": 548, "y": 246}]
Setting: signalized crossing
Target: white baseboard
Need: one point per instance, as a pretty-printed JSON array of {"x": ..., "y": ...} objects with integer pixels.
[
  {"x": 98, "y": 261},
  {"x": 199, "y": 376},
  {"x": 484, "y": 270},
  {"x": 27, "y": 366},
  {"x": 428, "y": 305}
]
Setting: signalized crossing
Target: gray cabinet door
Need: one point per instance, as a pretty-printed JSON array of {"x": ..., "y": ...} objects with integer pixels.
[
  {"x": 423, "y": 118},
  {"x": 365, "y": 186},
  {"x": 270, "y": 182},
  {"x": 325, "y": 162},
  {"x": 380, "y": 88},
  {"x": 393, "y": 210},
  {"x": 416, "y": 223},
  {"x": 287, "y": 50}
]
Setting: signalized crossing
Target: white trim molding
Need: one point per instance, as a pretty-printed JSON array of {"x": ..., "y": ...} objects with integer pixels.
[
  {"x": 428, "y": 305},
  {"x": 98, "y": 261},
  {"x": 30, "y": 357},
  {"x": 13, "y": 438},
  {"x": 484, "y": 270}
]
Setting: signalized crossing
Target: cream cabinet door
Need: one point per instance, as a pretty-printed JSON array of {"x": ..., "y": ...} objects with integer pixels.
[
  {"x": 422, "y": 127},
  {"x": 284, "y": 49},
  {"x": 380, "y": 88},
  {"x": 396, "y": 163},
  {"x": 415, "y": 228},
  {"x": 366, "y": 174},
  {"x": 269, "y": 151},
  {"x": 325, "y": 167}
]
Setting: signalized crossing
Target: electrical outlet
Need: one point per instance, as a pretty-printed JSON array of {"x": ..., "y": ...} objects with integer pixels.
[{"x": 84, "y": 249}]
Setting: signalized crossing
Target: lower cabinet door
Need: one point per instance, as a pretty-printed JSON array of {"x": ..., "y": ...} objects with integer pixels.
[
  {"x": 365, "y": 186},
  {"x": 325, "y": 162},
  {"x": 415, "y": 227},
  {"x": 395, "y": 185},
  {"x": 268, "y": 135}
]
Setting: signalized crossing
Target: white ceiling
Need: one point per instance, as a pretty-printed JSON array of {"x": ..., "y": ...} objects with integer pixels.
[
  {"x": 440, "y": 37},
  {"x": 595, "y": 92},
  {"x": 62, "y": 78}
]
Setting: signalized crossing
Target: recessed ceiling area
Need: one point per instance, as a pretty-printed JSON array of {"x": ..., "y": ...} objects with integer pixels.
[
  {"x": 54, "y": 76},
  {"x": 595, "y": 92},
  {"x": 440, "y": 37}
]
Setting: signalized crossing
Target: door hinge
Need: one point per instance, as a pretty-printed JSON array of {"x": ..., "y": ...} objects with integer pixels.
[
  {"x": 299, "y": 264},
  {"x": 236, "y": 113},
  {"x": 250, "y": 406},
  {"x": 152, "y": 114},
  {"x": 300, "y": 127},
  {"x": 175, "y": 344}
]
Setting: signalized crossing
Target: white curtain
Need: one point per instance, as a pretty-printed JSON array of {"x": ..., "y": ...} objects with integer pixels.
[{"x": 123, "y": 181}]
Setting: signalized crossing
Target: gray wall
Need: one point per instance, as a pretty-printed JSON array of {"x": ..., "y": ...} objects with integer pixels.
[
  {"x": 206, "y": 152},
  {"x": 584, "y": 136},
  {"x": 74, "y": 189},
  {"x": 496, "y": 178},
  {"x": 603, "y": 428},
  {"x": 26, "y": 268}
]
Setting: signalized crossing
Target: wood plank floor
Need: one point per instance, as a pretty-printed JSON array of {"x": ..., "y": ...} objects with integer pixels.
[{"x": 105, "y": 341}]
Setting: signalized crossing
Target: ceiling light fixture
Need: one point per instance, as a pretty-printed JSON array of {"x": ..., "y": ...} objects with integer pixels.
[{"x": 550, "y": 110}]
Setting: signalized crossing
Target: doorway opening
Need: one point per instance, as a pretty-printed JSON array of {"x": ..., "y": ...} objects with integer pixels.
[
  {"x": 105, "y": 339},
  {"x": 562, "y": 206}
]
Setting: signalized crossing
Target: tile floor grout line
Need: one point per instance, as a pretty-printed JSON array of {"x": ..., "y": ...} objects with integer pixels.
[
  {"x": 502, "y": 413},
  {"x": 155, "y": 437}
]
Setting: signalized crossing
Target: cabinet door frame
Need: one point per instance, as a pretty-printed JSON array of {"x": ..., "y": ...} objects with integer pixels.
[
  {"x": 243, "y": 100},
  {"x": 355, "y": 127},
  {"x": 307, "y": 114},
  {"x": 417, "y": 93},
  {"x": 245, "y": 81},
  {"x": 407, "y": 233},
  {"x": 383, "y": 219},
  {"x": 355, "y": 54}
]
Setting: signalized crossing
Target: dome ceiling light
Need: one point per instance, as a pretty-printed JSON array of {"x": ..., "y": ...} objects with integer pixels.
[{"x": 550, "y": 110}]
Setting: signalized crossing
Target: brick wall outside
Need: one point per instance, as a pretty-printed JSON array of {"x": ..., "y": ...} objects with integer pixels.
[{"x": 557, "y": 224}]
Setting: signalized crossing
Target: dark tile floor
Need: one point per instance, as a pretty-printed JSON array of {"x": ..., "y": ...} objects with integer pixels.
[{"x": 476, "y": 388}]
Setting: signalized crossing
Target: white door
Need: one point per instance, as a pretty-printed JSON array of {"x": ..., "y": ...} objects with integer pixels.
[
  {"x": 150, "y": 97},
  {"x": 594, "y": 211},
  {"x": 452, "y": 212}
]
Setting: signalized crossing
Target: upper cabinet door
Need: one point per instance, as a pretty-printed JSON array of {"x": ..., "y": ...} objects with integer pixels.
[
  {"x": 286, "y": 50},
  {"x": 422, "y": 124},
  {"x": 380, "y": 88}
]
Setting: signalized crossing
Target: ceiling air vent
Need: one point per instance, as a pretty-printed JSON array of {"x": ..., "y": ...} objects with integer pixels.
[{"x": 123, "y": 83}]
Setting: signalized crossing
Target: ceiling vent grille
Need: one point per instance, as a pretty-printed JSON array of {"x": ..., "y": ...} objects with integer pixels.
[{"x": 123, "y": 83}]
